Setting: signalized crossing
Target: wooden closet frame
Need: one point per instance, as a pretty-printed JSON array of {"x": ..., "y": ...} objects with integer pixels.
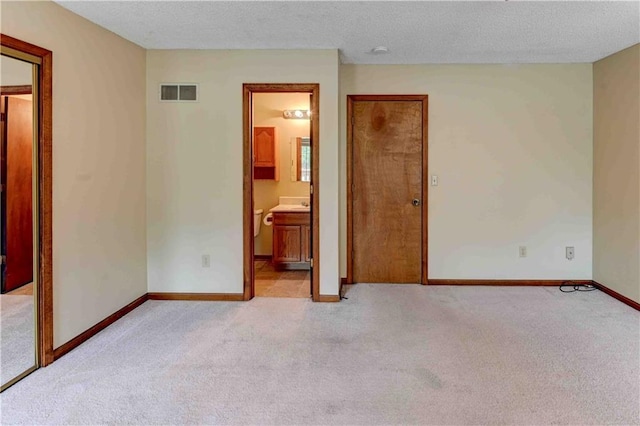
[{"x": 13, "y": 47}]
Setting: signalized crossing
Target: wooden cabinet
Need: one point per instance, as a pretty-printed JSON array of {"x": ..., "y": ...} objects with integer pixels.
[
  {"x": 286, "y": 243},
  {"x": 265, "y": 153},
  {"x": 291, "y": 240}
]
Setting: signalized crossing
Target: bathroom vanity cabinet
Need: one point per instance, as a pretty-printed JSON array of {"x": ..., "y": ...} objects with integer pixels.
[{"x": 291, "y": 240}]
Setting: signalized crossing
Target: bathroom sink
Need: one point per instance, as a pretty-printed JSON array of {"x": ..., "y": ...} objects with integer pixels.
[
  {"x": 292, "y": 204},
  {"x": 290, "y": 208}
]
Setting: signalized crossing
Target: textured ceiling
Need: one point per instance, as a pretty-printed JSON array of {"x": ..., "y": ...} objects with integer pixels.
[{"x": 415, "y": 32}]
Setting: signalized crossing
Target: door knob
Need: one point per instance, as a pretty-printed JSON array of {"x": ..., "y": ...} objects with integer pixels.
[{"x": 415, "y": 202}]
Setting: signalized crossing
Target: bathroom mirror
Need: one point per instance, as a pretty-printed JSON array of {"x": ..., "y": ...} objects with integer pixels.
[
  {"x": 18, "y": 227},
  {"x": 301, "y": 159}
]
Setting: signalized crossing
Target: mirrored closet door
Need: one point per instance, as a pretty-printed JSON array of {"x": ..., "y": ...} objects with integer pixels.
[{"x": 18, "y": 213}]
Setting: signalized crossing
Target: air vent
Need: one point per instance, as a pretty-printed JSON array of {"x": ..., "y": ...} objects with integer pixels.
[{"x": 178, "y": 92}]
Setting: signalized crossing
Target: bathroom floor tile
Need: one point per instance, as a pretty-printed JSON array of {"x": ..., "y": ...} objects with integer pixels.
[{"x": 272, "y": 283}]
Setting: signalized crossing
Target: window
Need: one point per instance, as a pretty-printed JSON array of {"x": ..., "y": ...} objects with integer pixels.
[{"x": 304, "y": 172}]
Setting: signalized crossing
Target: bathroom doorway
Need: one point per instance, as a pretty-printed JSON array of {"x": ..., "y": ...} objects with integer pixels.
[{"x": 281, "y": 206}]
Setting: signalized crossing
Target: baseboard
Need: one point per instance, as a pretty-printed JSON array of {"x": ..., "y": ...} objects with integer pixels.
[
  {"x": 343, "y": 281},
  {"x": 229, "y": 297},
  {"x": 86, "y": 335},
  {"x": 624, "y": 299},
  {"x": 506, "y": 282},
  {"x": 328, "y": 298},
  {"x": 262, "y": 257}
]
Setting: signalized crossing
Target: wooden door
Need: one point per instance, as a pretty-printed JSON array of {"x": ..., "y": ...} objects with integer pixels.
[
  {"x": 17, "y": 184},
  {"x": 388, "y": 199},
  {"x": 313, "y": 224}
]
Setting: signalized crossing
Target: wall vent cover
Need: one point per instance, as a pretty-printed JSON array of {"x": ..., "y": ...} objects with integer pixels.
[{"x": 178, "y": 92}]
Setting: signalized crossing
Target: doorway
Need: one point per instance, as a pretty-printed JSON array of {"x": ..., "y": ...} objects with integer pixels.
[
  {"x": 280, "y": 190},
  {"x": 387, "y": 166},
  {"x": 26, "y": 209}
]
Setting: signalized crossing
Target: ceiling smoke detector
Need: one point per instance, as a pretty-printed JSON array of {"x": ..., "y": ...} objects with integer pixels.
[{"x": 379, "y": 50}]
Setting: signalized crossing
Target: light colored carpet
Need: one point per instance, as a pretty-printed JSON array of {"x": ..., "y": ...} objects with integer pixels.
[
  {"x": 391, "y": 354},
  {"x": 17, "y": 336}
]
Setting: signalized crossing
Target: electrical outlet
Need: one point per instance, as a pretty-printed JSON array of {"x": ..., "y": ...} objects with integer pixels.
[
  {"x": 522, "y": 251},
  {"x": 206, "y": 261},
  {"x": 571, "y": 253}
]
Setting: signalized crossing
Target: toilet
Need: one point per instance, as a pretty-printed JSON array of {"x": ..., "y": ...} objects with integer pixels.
[{"x": 257, "y": 221}]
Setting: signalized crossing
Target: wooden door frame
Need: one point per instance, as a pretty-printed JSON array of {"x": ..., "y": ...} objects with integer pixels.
[
  {"x": 15, "y": 90},
  {"x": 425, "y": 174},
  {"x": 44, "y": 289},
  {"x": 248, "y": 89}
]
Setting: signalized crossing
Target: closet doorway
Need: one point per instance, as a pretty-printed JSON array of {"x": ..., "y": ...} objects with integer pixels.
[{"x": 25, "y": 210}]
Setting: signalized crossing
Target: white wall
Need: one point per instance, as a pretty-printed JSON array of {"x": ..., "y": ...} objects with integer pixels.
[
  {"x": 194, "y": 163},
  {"x": 14, "y": 72},
  {"x": 267, "y": 112},
  {"x": 616, "y": 180},
  {"x": 99, "y": 225},
  {"x": 512, "y": 146}
]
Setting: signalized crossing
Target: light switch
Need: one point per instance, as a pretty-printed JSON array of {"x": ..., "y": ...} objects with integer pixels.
[{"x": 434, "y": 180}]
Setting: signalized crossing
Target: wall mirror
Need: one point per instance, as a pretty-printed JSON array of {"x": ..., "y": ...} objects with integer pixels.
[
  {"x": 301, "y": 159},
  {"x": 18, "y": 214}
]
